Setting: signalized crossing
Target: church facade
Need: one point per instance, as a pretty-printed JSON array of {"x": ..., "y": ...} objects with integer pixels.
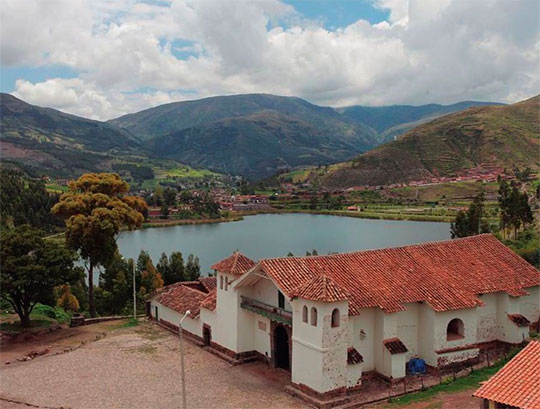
[{"x": 330, "y": 320}]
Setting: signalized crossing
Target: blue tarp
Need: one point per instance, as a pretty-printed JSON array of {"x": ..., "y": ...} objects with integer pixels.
[{"x": 416, "y": 366}]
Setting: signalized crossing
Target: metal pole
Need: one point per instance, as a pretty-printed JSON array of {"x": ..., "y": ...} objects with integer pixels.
[
  {"x": 183, "y": 376},
  {"x": 134, "y": 294}
]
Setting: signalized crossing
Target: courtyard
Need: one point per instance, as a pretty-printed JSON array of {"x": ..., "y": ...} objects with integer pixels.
[{"x": 113, "y": 365}]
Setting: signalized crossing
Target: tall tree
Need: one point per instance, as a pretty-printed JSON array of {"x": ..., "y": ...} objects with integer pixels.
[
  {"x": 96, "y": 208},
  {"x": 150, "y": 279},
  {"x": 193, "y": 269},
  {"x": 169, "y": 196},
  {"x": 470, "y": 223},
  {"x": 176, "y": 271},
  {"x": 31, "y": 267}
]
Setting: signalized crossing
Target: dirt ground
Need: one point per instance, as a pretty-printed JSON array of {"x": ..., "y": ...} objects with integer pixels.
[
  {"x": 55, "y": 342},
  {"x": 107, "y": 366},
  {"x": 139, "y": 367}
]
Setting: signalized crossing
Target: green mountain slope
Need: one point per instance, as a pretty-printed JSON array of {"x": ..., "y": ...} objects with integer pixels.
[
  {"x": 390, "y": 121},
  {"x": 50, "y": 141},
  {"x": 252, "y": 135},
  {"x": 501, "y": 136}
]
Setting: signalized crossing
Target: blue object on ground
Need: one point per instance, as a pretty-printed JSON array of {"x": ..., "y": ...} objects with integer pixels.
[{"x": 416, "y": 366}]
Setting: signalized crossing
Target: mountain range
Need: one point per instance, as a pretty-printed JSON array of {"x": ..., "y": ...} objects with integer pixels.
[
  {"x": 49, "y": 141},
  {"x": 487, "y": 137},
  {"x": 252, "y": 135}
]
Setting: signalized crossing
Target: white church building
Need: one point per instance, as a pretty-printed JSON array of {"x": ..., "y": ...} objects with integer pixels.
[{"x": 330, "y": 320}]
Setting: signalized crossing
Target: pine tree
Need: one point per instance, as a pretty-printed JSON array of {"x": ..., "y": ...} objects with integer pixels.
[
  {"x": 176, "y": 268},
  {"x": 193, "y": 270},
  {"x": 164, "y": 268}
]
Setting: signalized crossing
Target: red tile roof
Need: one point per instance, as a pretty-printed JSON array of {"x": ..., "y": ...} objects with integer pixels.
[
  {"x": 320, "y": 288},
  {"x": 236, "y": 263},
  {"x": 181, "y": 298},
  {"x": 210, "y": 301},
  {"x": 518, "y": 382},
  {"x": 395, "y": 346},
  {"x": 519, "y": 320},
  {"x": 209, "y": 283},
  {"x": 448, "y": 275}
]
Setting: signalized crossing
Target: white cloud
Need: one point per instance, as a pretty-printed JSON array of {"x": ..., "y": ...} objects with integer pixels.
[{"x": 124, "y": 52}]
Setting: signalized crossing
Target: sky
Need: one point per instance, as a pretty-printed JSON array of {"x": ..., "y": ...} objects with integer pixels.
[{"x": 104, "y": 58}]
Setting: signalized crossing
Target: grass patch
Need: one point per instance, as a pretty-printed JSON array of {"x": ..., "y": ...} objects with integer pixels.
[
  {"x": 130, "y": 323},
  {"x": 471, "y": 381}
]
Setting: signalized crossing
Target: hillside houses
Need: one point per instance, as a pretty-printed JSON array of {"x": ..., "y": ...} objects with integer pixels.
[{"x": 332, "y": 320}]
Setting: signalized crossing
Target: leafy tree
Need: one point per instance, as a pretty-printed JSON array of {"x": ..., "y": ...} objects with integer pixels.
[
  {"x": 313, "y": 200},
  {"x": 460, "y": 226},
  {"x": 150, "y": 279},
  {"x": 163, "y": 267},
  {"x": 26, "y": 201},
  {"x": 514, "y": 207},
  {"x": 314, "y": 252},
  {"x": 66, "y": 299},
  {"x": 31, "y": 267},
  {"x": 96, "y": 208},
  {"x": 470, "y": 223},
  {"x": 169, "y": 196},
  {"x": 176, "y": 270},
  {"x": 193, "y": 269},
  {"x": 290, "y": 254},
  {"x": 164, "y": 211}
]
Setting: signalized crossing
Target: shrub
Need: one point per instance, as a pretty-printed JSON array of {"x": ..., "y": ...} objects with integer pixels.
[{"x": 56, "y": 313}]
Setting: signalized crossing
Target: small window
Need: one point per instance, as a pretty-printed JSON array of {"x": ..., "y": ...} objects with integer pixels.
[
  {"x": 281, "y": 300},
  {"x": 335, "y": 318},
  {"x": 304, "y": 314},
  {"x": 314, "y": 316},
  {"x": 220, "y": 282},
  {"x": 227, "y": 283},
  {"x": 455, "y": 330}
]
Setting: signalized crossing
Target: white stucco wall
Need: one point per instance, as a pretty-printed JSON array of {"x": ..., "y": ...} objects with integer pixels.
[
  {"x": 354, "y": 375},
  {"x": 319, "y": 353},
  {"x": 530, "y": 304},
  {"x": 194, "y": 326},
  {"x": 226, "y": 328},
  {"x": 361, "y": 336}
]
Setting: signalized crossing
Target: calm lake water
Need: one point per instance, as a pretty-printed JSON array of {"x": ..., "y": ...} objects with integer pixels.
[{"x": 275, "y": 235}]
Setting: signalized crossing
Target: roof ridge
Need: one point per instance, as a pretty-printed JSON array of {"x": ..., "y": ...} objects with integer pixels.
[{"x": 414, "y": 245}]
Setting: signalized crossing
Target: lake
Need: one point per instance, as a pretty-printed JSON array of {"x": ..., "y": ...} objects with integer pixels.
[{"x": 275, "y": 235}]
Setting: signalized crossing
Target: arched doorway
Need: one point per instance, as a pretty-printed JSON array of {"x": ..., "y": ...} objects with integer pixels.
[{"x": 281, "y": 348}]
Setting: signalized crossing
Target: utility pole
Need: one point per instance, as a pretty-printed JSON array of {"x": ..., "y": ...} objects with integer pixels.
[
  {"x": 184, "y": 406},
  {"x": 134, "y": 293}
]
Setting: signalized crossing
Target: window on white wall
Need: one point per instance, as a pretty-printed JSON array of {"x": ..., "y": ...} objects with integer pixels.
[
  {"x": 455, "y": 330},
  {"x": 220, "y": 282},
  {"x": 335, "y": 318},
  {"x": 314, "y": 316},
  {"x": 304, "y": 314},
  {"x": 226, "y": 283}
]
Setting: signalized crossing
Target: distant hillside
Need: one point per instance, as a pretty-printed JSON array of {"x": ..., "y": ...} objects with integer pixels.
[
  {"x": 44, "y": 139},
  {"x": 394, "y": 120},
  {"x": 501, "y": 136},
  {"x": 252, "y": 135}
]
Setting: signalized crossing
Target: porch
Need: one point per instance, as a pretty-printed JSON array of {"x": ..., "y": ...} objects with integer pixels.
[{"x": 276, "y": 314}]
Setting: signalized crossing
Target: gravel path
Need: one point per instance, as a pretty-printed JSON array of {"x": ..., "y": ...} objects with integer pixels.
[{"x": 140, "y": 368}]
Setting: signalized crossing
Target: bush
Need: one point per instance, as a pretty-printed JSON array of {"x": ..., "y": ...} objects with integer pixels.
[{"x": 55, "y": 313}]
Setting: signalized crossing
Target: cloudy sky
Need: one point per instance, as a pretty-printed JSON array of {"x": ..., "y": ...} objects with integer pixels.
[{"x": 104, "y": 58}]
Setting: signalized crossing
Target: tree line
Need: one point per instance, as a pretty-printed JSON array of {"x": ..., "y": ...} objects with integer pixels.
[
  {"x": 26, "y": 201},
  {"x": 95, "y": 209}
]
